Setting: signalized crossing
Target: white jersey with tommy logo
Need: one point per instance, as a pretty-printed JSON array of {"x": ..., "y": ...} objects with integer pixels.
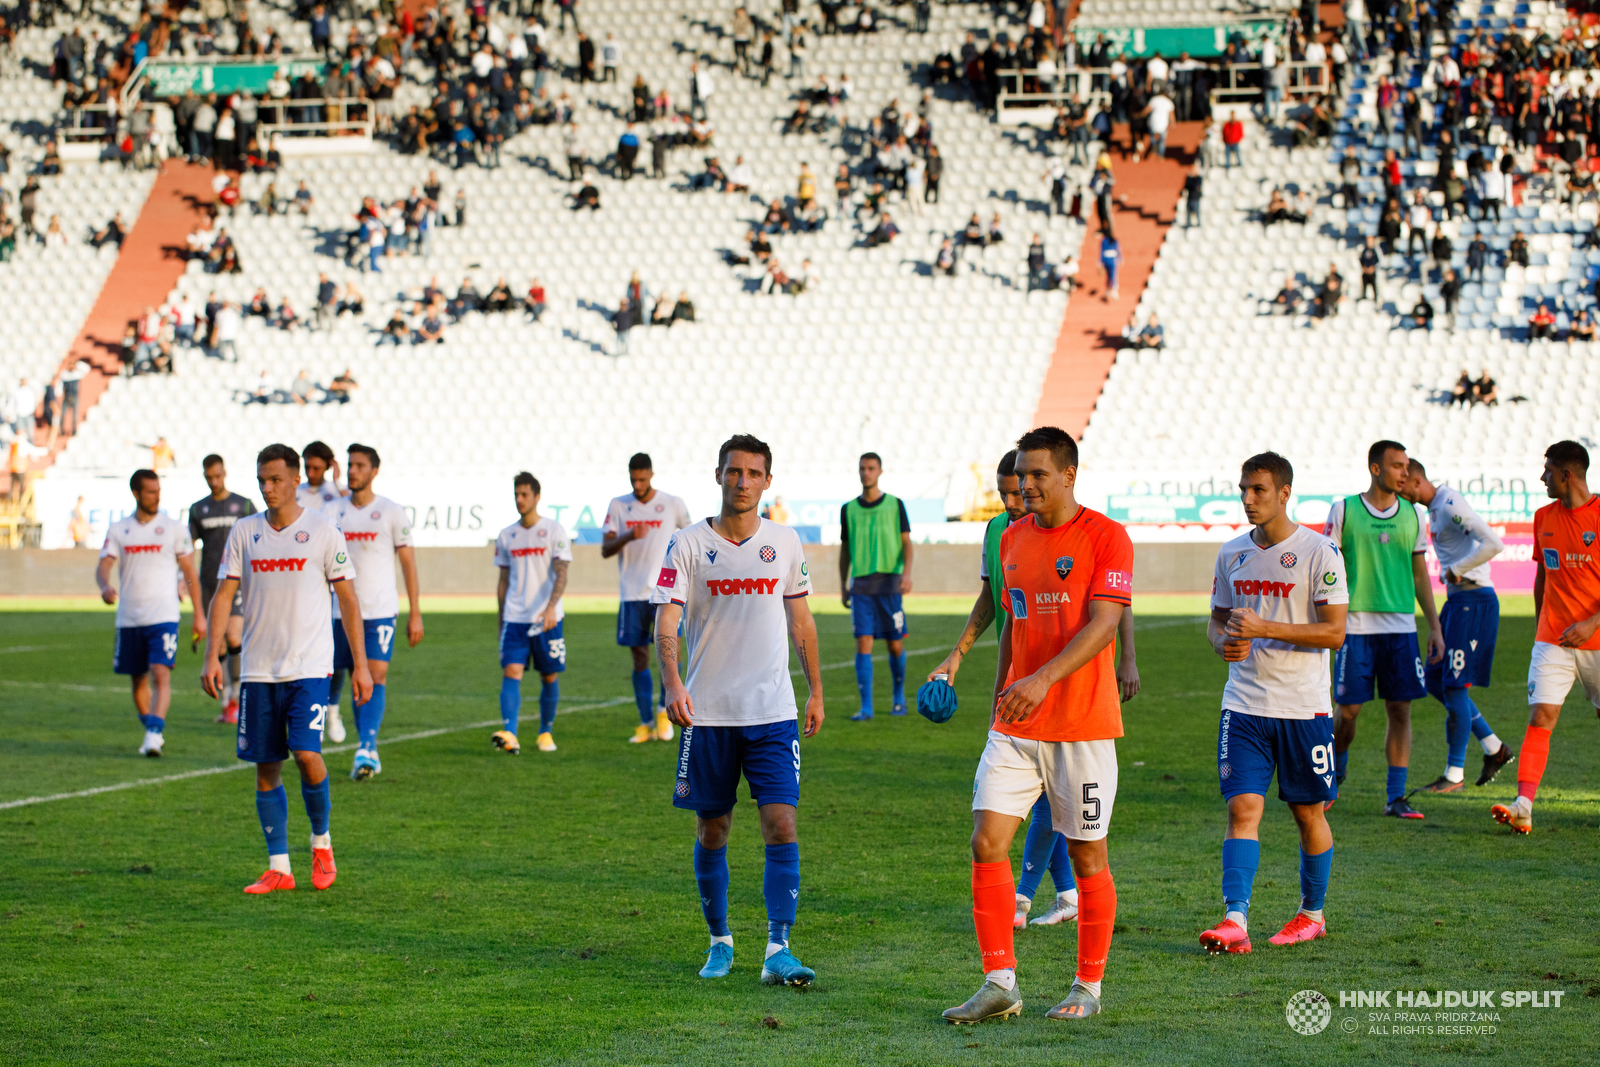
[
  {"x": 325, "y": 498},
  {"x": 736, "y": 631},
  {"x": 528, "y": 551},
  {"x": 372, "y": 533},
  {"x": 147, "y": 568},
  {"x": 1285, "y": 583},
  {"x": 656, "y": 520},
  {"x": 1463, "y": 542},
  {"x": 284, "y": 575}
]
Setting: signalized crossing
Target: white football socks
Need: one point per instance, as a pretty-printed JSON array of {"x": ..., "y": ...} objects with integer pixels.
[
  {"x": 1238, "y": 917},
  {"x": 1314, "y": 916},
  {"x": 723, "y": 939},
  {"x": 1069, "y": 896},
  {"x": 1005, "y": 977},
  {"x": 279, "y": 863},
  {"x": 773, "y": 948},
  {"x": 321, "y": 841},
  {"x": 1491, "y": 744},
  {"x": 1092, "y": 988},
  {"x": 1454, "y": 774}
]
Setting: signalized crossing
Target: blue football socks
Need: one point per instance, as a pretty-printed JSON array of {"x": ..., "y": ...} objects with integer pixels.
[
  {"x": 897, "y": 670},
  {"x": 510, "y": 702},
  {"x": 154, "y": 723},
  {"x": 272, "y": 807},
  {"x": 1061, "y": 866},
  {"x": 1314, "y": 872},
  {"x": 369, "y": 717},
  {"x": 1043, "y": 849},
  {"x": 549, "y": 696},
  {"x": 781, "y": 888},
  {"x": 711, "y": 875},
  {"x": 1458, "y": 725},
  {"x": 317, "y": 804},
  {"x": 864, "y": 680},
  {"x": 641, "y": 696},
  {"x": 1396, "y": 787},
  {"x": 1240, "y": 858},
  {"x": 336, "y": 687}
]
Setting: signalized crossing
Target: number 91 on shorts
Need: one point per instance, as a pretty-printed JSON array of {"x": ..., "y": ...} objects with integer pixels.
[{"x": 1079, "y": 777}]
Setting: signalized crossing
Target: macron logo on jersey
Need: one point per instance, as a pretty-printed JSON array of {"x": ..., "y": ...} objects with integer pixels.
[
  {"x": 736, "y": 586},
  {"x": 1251, "y": 587},
  {"x": 134, "y": 550},
  {"x": 269, "y": 565},
  {"x": 539, "y": 551},
  {"x": 371, "y": 536}
]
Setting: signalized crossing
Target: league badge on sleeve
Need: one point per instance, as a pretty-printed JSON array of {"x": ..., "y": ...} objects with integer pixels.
[{"x": 668, "y": 578}]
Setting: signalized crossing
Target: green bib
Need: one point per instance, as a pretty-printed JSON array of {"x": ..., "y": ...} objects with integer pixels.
[
  {"x": 1377, "y": 557},
  {"x": 875, "y": 537},
  {"x": 991, "y": 561}
]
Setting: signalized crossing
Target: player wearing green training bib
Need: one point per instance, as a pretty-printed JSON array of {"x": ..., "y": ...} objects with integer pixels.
[
  {"x": 1379, "y": 535},
  {"x": 874, "y": 569}
]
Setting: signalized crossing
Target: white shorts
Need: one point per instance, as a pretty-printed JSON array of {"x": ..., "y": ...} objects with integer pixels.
[
  {"x": 1553, "y": 669},
  {"x": 1079, "y": 777}
]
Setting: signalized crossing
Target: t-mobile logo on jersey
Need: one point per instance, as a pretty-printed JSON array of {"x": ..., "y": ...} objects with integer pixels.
[
  {"x": 539, "y": 551},
  {"x": 736, "y": 586},
  {"x": 269, "y": 565},
  {"x": 1119, "y": 581},
  {"x": 1250, "y": 587},
  {"x": 134, "y": 550}
]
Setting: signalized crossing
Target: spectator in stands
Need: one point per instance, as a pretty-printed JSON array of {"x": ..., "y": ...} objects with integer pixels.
[
  {"x": 740, "y": 178},
  {"x": 1279, "y": 210},
  {"x": 340, "y": 389},
  {"x": 1192, "y": 192},
  {"x": 945, "y": 260},
  {"x": 627, "y": 152},
  {"x": 1325, "y": 304},
  {"x": 712, "y": 177},
  {"x": 883, "y": 233},
  {"x": 623, "y": 321},
  {"x": 1579, "y": 185},
  {"x": 326, "y": 307},
  {"x": 1491, "y": 185},
  {"x": 1477, "y": 257},
  {"x": 20, "y": 408},
  {"x": 1461, "y": 393},
  {"x": 287, "y": 320},
  {"x": 50, "y": 165},
  {"x": 1542, "y": 326},
  {"x": 610, "y": 58},
  {"x": 114, "y": 232},
  {"x": 1440, "y": 249},
  {"x": 683, "y": 310},
  {"x": 1418, "y": 219},
  {"x": 935, "y": 168},
  {"x": 1484, "y": 390},
  {"x": 499, "y": 299},
  {"x": 1158, "y": 115},
  {"x": 1394, "y": 182},
  {"x": 1517, "y": 253},
  {"x": 572, "y": 146},
  {"x": 1350, "y": 177},
  {"x": 1582, "y": 328},
  {"x": 1450, "y": 293},
  {"x": 1422, "y": 314},
  {"x": 1036, "y": 261},
  {"x": 302, "y": 390},
  {"x": 1287, "y": 302},
  {"x": 1154, "y": 335},
  {"x": 1110, "y": 263},
  {"x": 1389, "y": 226},
  {"x": 352, "y": 301},
  {"x": 431, "y": 329},
  {"x": 1232, "y": 138},
  {"x": 396, "y": 330},
  {"x": 587, "y": 196},
  {"x": 467, "y": 299},
  {"x": 54, "y": 236}
]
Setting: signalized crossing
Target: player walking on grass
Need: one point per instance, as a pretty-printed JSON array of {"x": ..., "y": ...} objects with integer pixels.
[
  {"x": 210, "y": 519},
  {"x": 1386, "y": 561},
  {"x": 1043, "y": 849},
  {"x": 283, "y": 560},
  {"x": 321, "y": 492},
  {"x": 1566, "y": 601},
  {"x": 1464, "y": 545},
  {"x": 149, "y": 549},
  {"x": 738, "y": 583},
  {"x": 637, "y": 529},
  {"x": 1068, "y": 573},
  {"x": 533, "y": 555},
  {"x": 875, "y": 547},
  {"x": 377, "y": 532},
  {"x": 1278, "y": 604}
]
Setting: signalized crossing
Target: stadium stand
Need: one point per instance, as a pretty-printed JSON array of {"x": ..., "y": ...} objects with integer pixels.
[{"x": 881, "y": 350}]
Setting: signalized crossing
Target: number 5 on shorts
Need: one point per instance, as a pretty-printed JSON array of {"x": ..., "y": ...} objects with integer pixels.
[{"x": 1091, "y": 814}]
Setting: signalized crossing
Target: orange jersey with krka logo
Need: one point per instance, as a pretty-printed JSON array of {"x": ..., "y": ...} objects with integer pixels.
[
  {"x": 1565, "y": 539},
  {"x": 1050, "y": 578}
]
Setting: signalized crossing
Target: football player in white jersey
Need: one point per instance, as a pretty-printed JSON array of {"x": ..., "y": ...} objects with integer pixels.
[
  {"x": 533, "y": 555},
  {"x": 738, "y": 583},
  {"x": 321, "y": 492},
  {"x": 282, "y": 561},
  {"x": 1464, "y": 544},
  {"x": 150, "y": 550},
  {"x": 378, "y": 532},
  {"x": 1278, "y": 604},
  {"x": 638, "y": 527}
]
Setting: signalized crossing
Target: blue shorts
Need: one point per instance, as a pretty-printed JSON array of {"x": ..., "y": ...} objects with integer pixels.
[
  {"x": 878, "y": 616},
  {"x": 276, "y": 718},
  {"x": 141, "y": 647},
  {"x": 1391, "y": 660},
  {"x": 379, "y": 640},
  {"x": 1470, "y": 622},
  {"x": 545, "y": 651},
  {"x": 1249, "y": 747},
  {"x": 711, "y": 758},
  {"x": 636, "y": 623}
]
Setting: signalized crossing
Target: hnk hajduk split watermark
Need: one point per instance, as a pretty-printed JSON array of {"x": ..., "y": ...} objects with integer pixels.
[{"x": 1415, "y": 1012}]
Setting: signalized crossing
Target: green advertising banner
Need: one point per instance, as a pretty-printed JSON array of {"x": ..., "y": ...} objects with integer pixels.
[
  {"x": 174, "y": 77},
  {"x": 1210, "y": 40}
]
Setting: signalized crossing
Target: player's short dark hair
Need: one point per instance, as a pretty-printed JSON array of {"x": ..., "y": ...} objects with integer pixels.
[
  {"x": 524, "y": 478},
  {"x": 1058, "y": 442},
  {"x": 872, "y": 456},
  {"x": 1568, "y": 456},
  {"x": 290, "y": 457},
  {"x": 1376, "y": 452},
  {"x": 368, "y": 451},
  {"x": 1008, "y": 465},
  {"x": 139, "y": 476},
  {"x": 210, "y": 461},
  {"x": 318, "y": 450},
  {"x": 1281, "y": 469},
  {"x": 640, "y": 462},
  {"x": 1416, "y": 467},
  {"x": 743, "y": 442}
]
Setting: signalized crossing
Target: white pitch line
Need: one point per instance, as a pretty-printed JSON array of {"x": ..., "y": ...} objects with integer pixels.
[{"x": 29, "y": 648}]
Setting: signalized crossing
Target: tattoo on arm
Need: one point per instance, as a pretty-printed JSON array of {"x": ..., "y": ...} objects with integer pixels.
[
  {"x": 559, "y": 567},
  {"x": 667, "y": 653},
  {"x": 982, "y": 616}
]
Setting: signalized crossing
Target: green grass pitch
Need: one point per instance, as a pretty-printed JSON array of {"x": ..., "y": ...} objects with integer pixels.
[{"x": 542, "y": 909}]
